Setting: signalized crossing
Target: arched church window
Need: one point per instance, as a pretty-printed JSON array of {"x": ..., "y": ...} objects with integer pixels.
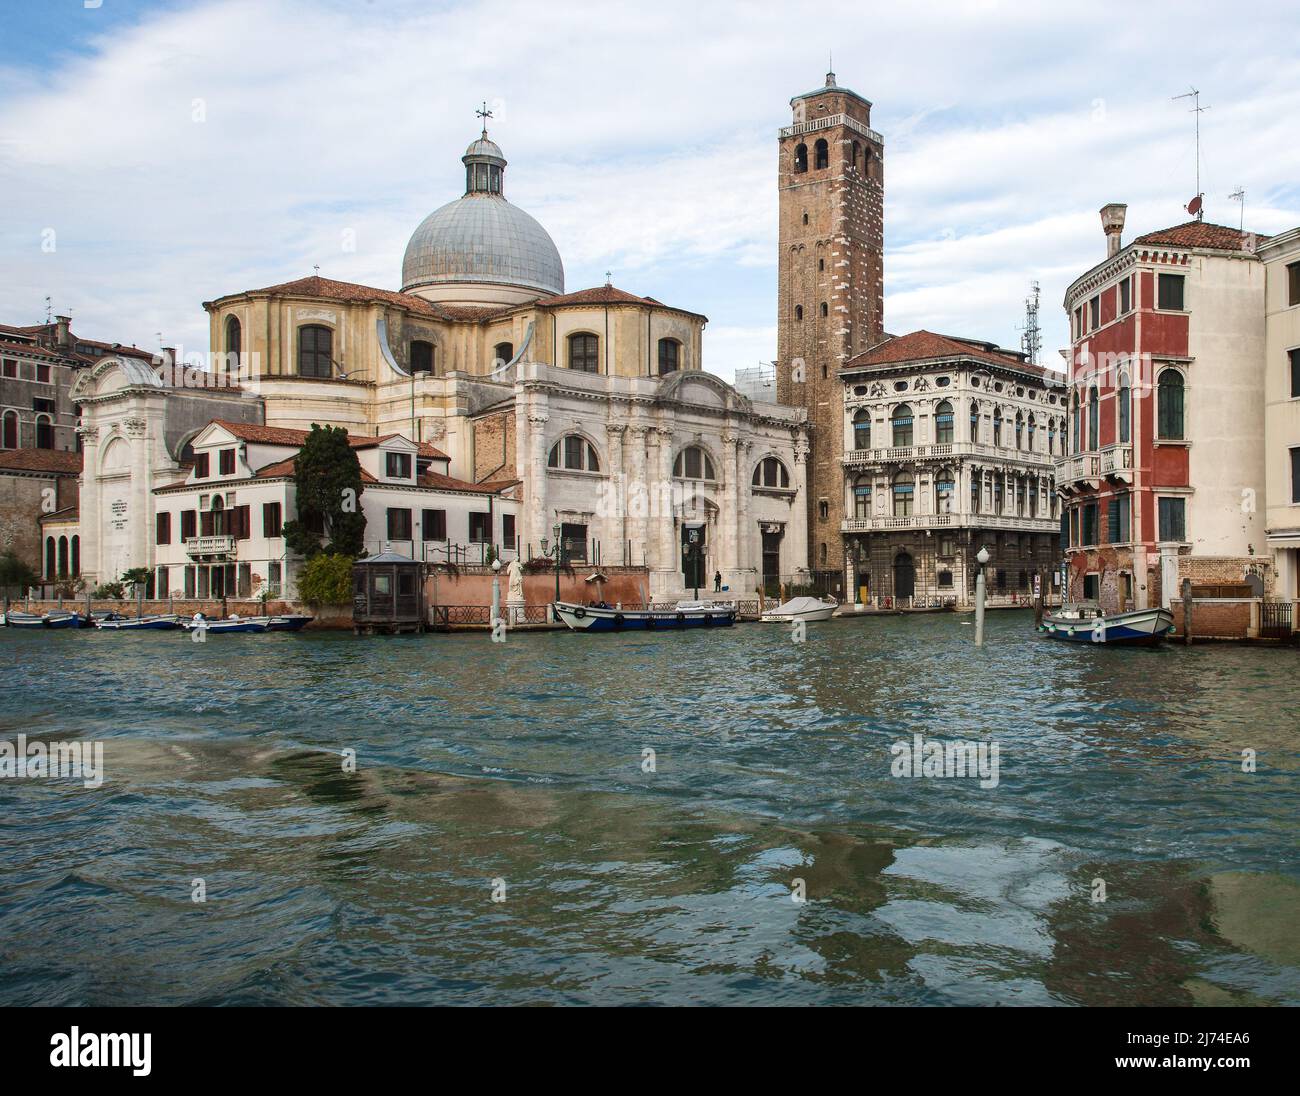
[
  {"x": 798, "y": 312},
  {"x": 822, "y": 153},
  {"x": 575, "y": 453},
  {"x": 49, "y": 557},
  {"x": 771, "y": 473},
  {"x": 44, "y": 432},
  {"x": 825, "y": 309},
  {"x": 421, "y": 356},
  {"x": 800, "y": 159},
  {"x": 10, "y": 433},
  {"x": 233, "y": 340},
  {"x": 584, "y": 353},
  {"x": 857, "y": 154},
  {"x": 693, "y": 463},
  {"x": 1094, "y": 417},
  {"x": 670, "y": 354},
  {"x": 502, "y": 354},
  {"x": 315, "y": 351}
]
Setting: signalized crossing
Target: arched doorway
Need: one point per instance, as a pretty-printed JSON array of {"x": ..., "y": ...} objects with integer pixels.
[{"x": 904, "y": 576}]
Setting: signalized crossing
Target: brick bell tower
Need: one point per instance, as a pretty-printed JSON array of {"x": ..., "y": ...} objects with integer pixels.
[{"x": 830, "y": 282}]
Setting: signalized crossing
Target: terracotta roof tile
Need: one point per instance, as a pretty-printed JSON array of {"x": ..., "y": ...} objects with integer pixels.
[
  {"x": 605, "y": 294},
  {"x": 58, "y": 461},
  {"x": 923, "y": 345},
  {"x": 450, "y": 483},
  {"x": 1202, "y": 234},
  {"x": 352, "y": 292},
  {"x": 287, "y": 435}
]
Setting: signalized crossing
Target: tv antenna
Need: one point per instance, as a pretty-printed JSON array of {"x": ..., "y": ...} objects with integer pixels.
[
  {"x": 1239, "y": 196},
  {"x": 1196, "y": 205},
  {"x": 1031, "y": 342}
]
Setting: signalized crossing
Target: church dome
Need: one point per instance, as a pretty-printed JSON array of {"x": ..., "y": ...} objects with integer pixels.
[{"x": 481, "y": 238}]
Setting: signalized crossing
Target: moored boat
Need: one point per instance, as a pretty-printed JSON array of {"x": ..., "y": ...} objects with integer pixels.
[
  {"x": 801, "y": 608},
  {"x": 230, "y": 624},
  {"x": 685, "y": 614},
  {"x": 158, "y": 623},
  {"x": 55, "y": 618},
  {"x": 1084, "y": 622},
  {"x": 286, "y": 622}
]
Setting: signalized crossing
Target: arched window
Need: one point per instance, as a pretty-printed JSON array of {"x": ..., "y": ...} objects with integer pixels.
[
  {"x": 857, "y": 156},
  {"x": 693, "y": 463},
  {"x": 584, "y": 353},
  {"x": 575, "y": 453},
  {"x": 1094, "y": 418},
  {"x": 798, "y": 312},
  {"x": 822, "y": 153},
  {"x": 1169, "y": 405},
  {"x": 901, "y": 420},
  {"x": 943, "y": 419},
  {"x": 976, "y": 477},
  {"x": 800, "y": 159},
  {"x": 769, "y": 473},
  {"x": 825, "y": 309},
  {"x": 904, "y": 488},
  {"x": 1051, "y": 435},
  {"x": 233, "y": 340},
  {"x": 502, "y": 354},
  {"x": 670, "y": 356},
  {"x": 315, "y": 351},
  {"x": 1020, "y": 431},
  {"x": 1076, "y": 429},
  {"x": 44, "y": 432},
  {"x": 1123, "y": 409},
  {"x": 862, "y": 498},
  {"x": 1032, "y": 431},
  {"x": 945, "y": 490},
  {"x": 10, "y": 432},
  {"x": 49, "y": 557},
  {"x": 862, "y": 429},
  {"x": 421, "y": 356},
  {"x": 63, "y": 557},
  {"x": 974, "y": 421},
  {"x": 76, "y": 556},
  {"x": 997, "y": 426}
]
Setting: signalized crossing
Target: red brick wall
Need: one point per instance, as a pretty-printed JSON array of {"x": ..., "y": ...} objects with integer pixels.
[{"x": 1215, "y": 619}]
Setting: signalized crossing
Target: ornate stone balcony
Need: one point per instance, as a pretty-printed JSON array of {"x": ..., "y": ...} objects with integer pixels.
[
  {"x": 903, "y": 454},
  {"x": 210, "y": 546},
  {"x": 884, "y": 523}
]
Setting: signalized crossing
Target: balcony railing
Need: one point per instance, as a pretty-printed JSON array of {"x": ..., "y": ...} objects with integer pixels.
[
  {"x": 881, "y": 523},
  {"x": 814, "y": 125},
  {"x": 903, "y": 453},
  {"x": 210, "y": 546},
  {"x": 1117, "y": 460}
]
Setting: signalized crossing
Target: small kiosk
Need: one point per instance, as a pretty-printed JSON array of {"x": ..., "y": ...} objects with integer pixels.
[{"x": 387, "y": 594}]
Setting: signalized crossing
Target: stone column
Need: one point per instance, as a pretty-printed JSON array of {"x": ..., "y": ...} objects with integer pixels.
[
  {"x": 638, "y": 494},
  {"x": 666, "y": 556},
  {"x": 537, "y": 524},
  {"x": 88, "y": 508},
  {"x": 614, "y": 498},
  {"x": 726, "y": 558}
]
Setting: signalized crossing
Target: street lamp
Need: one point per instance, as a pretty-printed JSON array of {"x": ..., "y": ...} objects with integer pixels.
[
  {"x": 981, "y": 557},
  {"x": 555, "y": 549}
]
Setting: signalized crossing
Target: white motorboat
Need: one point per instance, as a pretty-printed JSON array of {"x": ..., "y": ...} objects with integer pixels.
[{"x": 801, "y": 608}]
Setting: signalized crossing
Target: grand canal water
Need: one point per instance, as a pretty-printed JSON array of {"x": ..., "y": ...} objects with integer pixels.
[{"x": 523, "y": 763}]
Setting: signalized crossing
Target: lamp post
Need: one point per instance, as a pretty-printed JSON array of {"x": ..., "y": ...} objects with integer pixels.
[
  {"x": 982, "y": 557},
  {"x": 496, "y": 592},
  {"x": 554, "y": 548}
]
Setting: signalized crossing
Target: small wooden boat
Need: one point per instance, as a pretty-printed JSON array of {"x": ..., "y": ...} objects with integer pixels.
[
  {"x": 1084, "y": 622},
  {"x": 158, "y": 623},
  {"x": 285, "y": 622},
  {"x": 801, "y": 608},
  {"x": 685, "y": 614},
  {"x": 230, "y": 624},
  {"x": 55, "y": 618}
]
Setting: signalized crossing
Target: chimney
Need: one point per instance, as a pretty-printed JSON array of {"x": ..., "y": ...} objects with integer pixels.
[
  {"x": 1112, "y": 223},
  {"x": 61, "y": 335}
]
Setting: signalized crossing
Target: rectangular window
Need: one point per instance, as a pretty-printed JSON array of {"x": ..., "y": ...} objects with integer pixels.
[
  {"x": 273, "y": 579},
  {"x": 1293, "y": 283},
  {"x": 1125, "y": 295},
  {"x": 1294, "y": 355},
  {"x": 480, "y": 528},
  {"x": 189, "y": 581},
  {"x": 201, "y": 465},
  {"x": 162, "y": 527},
  {"x": 434, "y": 524},
  {"x": 508, "y": 530},
  {"x": 242, "y": 522},
  {"x": 189, "y": 524},
  {"x": 11, "y": 368},
  {"x": 272, "y": 519},
  {"x": 42, "y": 405},
  {"x": 1295, "y": 476},
  {"x": 162, "y": 582},
  {"x": 1117, "y": 520},
  {"x": 1094, "y": 313},
  {"x": 1171, "y": 292},
  {"x": 1173, "y": 520},
  {"x": 226, "y": 462},
  {"x": 1078, "y": 322},
  {"x": 399, "y": 465},
  {"x": 574, "y": 537},
  {"x": 399, "y": 524},
  {"x": 43, "y": 373},
  {"x": 1091, "y": 587},
  {"x": 1090, "y": 523}
]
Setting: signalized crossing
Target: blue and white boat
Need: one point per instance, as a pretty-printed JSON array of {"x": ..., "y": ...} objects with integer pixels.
[
  {"x": 685, "y": 614},
  {"x": 230, "y": 624},
  {"x": 1084, "y": 622},
  {"x": 55, "y": 618},
  {"x": 159, "y": 623},
  {"x": 285, "y": 622}
]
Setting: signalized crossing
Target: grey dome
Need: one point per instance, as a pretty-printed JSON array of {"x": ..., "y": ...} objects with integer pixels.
[
  {"x": 482, "y": 238},
  {"x": 485, "y": 149}
]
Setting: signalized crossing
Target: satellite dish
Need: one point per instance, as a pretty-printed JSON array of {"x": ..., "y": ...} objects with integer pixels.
[{"x": 1194, "y": 206}]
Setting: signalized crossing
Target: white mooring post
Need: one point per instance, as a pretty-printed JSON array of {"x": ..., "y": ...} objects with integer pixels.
[{"x": 982, "y": 557}]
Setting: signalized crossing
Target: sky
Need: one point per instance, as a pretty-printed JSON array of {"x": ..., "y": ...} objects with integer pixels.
[{"x": 156, "y": 155}]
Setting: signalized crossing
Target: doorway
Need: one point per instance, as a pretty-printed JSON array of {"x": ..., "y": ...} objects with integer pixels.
[{"x": 904, "y": 576}]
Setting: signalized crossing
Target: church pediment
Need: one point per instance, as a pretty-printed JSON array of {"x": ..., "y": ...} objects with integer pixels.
[{"x": 700, "y": 389}]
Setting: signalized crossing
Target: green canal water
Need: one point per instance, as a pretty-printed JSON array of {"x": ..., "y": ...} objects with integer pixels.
[{"x": 518, "y": 771}]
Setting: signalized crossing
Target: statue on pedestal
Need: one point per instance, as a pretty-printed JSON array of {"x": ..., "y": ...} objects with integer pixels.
[{"x": 515, "y": 591}]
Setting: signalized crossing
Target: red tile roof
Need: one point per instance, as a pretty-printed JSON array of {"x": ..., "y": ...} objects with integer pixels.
[
  {"x": 1201, "y": 234},
  {"x": 353, "y": 293},
  {"x": 450, "y": 483},
  {"x": 58, "y": 461},
  {"x": 285, "y": 468},
  {"x": 31, "y": 350},
  {"x": 924, "y": 345},
  {"x": 285, "y": 435},
  {"x": 606, "y": 294}
]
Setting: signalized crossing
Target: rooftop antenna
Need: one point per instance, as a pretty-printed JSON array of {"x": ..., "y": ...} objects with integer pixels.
[
  {"x": 49, "y": 311},
  {"x": 1239, "y": 195},
  {"x": 1196, "y": 206},
  {"x": 1031, "y": 342},
  {"x": 485, "y": 114}
]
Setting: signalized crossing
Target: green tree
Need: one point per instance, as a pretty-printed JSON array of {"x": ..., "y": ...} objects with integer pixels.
[
  {"x": 16, "y": 572},
  {"x": 326, "y": 579},
  {"x": 327, "y": 475}
]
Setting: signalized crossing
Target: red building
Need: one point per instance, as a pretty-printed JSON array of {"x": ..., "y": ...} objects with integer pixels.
[{"x": 1164, "y": 478}]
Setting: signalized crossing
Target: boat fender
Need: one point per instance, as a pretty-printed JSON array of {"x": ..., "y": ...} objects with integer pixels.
[
  {"x": 580, "y": 612},
  {"x": 1099, "y": 632},
  {"x": 681, "y": 618},
  {"x": 618, "y": 620}
]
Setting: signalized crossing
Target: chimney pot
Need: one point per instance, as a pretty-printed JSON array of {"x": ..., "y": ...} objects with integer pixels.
[
  {"x": 1112, "y": 224},
  {"x": 61, "y": 325}
]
